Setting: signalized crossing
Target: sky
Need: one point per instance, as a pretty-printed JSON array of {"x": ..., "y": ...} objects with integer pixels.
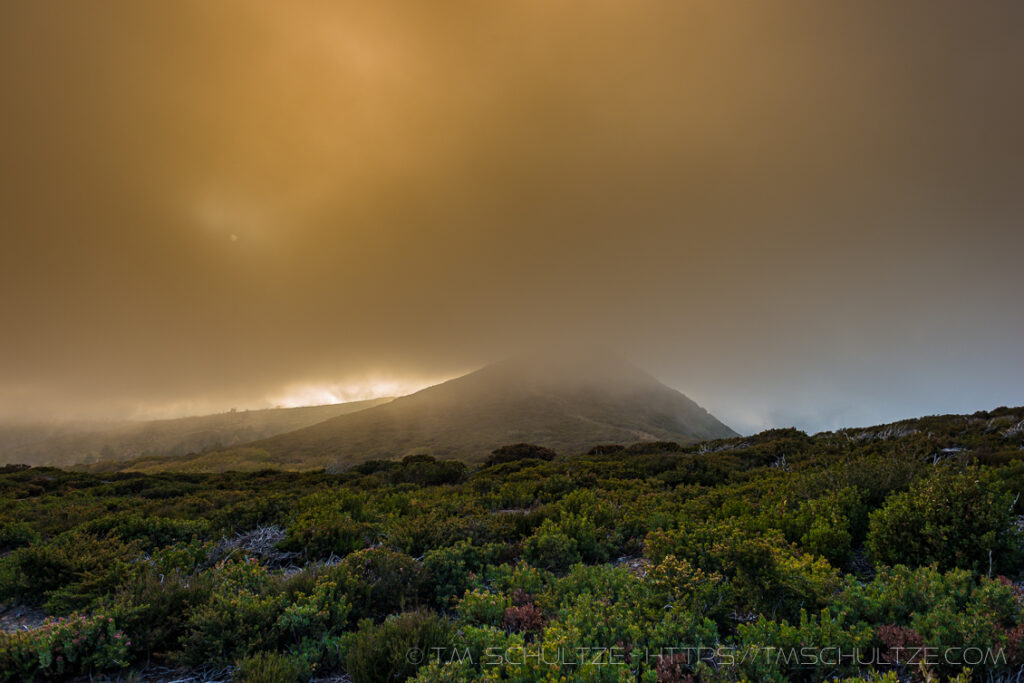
[{"x": 797, "y": 213}]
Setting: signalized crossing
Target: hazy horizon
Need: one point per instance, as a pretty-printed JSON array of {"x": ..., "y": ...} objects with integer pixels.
[
  {"x": 319, "y": 395},
  {"x": 798, "y": 214}
]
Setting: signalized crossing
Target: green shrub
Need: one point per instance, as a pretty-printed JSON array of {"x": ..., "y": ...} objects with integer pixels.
[
  {"x": 954, "y": 520},
  {"x": 76, "y": 645},
  {"x": 766, "y": 575},
  {"x": 330, "y": 523},
  {"x": 68, "y": 572},
  {"x": 268, "y": 667},
  {"x": 321, "y": 613},
  {"x": 828, "y": 526},
  {"x": 425, "y": 470},
  {"x": 451, "y": 570},
  {"x": 155, "y": 607},
  {"x": 520, "y": 577},
  {"x": 475, "y": 655},
  {"x": 953, "y": 609},
  {"x": 419, "y": 533},
  {"x": 149, "y": 532},
  {"x": 238, "y": 619},
  {"x": 394, "y": 649},
  {"x": 480, "y": 608},
  {"x": 379, "y": 582},
  {"x": 518, "y": 451},
  {"x": 14, "y": 535},
  {"x": 778, "y": 651},
  {"x": 551, "y": 548}
]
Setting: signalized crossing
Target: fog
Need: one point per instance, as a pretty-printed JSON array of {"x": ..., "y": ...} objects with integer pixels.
[{"x": 797, "y": 213}]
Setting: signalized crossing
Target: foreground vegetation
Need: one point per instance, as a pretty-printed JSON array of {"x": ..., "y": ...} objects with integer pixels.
[{"x": 879, "y": 554}]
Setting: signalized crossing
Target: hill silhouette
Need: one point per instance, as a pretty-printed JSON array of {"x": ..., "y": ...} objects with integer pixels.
[
  {"x": 564, "y": 403},
  {"x": 88, "y": 442}
]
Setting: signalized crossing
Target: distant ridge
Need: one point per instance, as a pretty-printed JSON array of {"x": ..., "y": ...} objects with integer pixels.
[
  {"x": 568, "y": 403},
  {"x": 66, "y": 445}
]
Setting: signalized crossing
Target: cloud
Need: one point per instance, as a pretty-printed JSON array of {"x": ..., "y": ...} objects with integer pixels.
[{"x": 734, "y": 199}]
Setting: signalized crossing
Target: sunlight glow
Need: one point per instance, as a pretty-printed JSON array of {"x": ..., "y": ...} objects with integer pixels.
[{"x": 314, "y": 394}]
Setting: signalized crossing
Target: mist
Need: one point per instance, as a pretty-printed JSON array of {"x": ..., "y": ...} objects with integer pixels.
[{"x": 796, "y": 213}]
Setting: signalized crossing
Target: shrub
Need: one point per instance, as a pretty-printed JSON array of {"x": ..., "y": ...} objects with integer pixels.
[
  {"x": 76, "y": 645},
  {"x": 827, "y": 526},
  {"x": 765, "y": 574},
  {"x": 450, "y": 571},
  {"x": 68, "y": 572},
  {"x": 480, "y": 608},
  {"x": 419, "y": 533},
  {"x": 524, "y": 618},
  {"x": 330, "y": 523},
  {"x": 475, "y": 654},
  {"x": 268, "y": 667},
  {"x": 238, "y": 619},
  {"x": 677, "y": 582},
  {"x": 820, "y": 635},
  {"x": 14, "y": 535},
  {"x": 953, "y": 609},
  {"x": 521, "y": 577},
  {"x": 425, "y": 470},
  {"x": 954, "y": 520},
  {"x": 394, "y": 650},
  {"x": 149, "y": 532},
  {"x": 155, "y": 607},
  {"x": 519, "y": 451},
  {"x": 378, "y": 582},
  {"x": 321, "y": 613},
  {"x": 551, "y": 548}
]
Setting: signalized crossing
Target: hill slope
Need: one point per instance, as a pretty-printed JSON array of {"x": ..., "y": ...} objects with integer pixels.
[
  {"x": 66, "y": 445},
  {"x": 566, "y": 404}
]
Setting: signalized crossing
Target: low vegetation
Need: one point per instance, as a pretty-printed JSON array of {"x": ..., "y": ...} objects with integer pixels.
[{"x": 883, "y": 554}]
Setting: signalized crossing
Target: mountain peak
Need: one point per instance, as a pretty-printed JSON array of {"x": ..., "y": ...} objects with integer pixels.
[{"x": 567, "y": 402}]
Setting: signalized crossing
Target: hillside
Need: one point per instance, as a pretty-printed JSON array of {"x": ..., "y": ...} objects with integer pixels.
[
  {"x": 73, "y": 444},
  {"x": 882, "y": 540},
  {"x": 565, "y": 404}
]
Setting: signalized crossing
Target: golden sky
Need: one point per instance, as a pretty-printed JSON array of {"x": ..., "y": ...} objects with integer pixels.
[{"x": 795, "y": 212}]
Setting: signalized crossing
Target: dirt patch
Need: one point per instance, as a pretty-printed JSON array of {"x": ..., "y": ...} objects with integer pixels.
[
  {"x": 16, "y": 618},
  {"x": 638, "y": 566}
]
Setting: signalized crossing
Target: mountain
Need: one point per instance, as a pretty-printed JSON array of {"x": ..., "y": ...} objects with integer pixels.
[
  {"x": 567, "y": 404},
  {"x": 70, "y": 443}
]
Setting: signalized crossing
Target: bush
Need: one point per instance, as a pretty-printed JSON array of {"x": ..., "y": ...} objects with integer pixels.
[
  {"x": 953, "y": 520},
  {"x": 519, "y": 451},
  {"x": 268, "y": 667},
  {"x": 480, "y": 608},
  {"x": 14, "y": 535},
  {"x": 552, "y": 549},
  {"x": 820, "y": 635},
  {"x": 524, "y": 618},
  {"x": 149, "y": 532},
  {"x": 827, "y": 526},
  {"x": 155, "y": 607},
  {"x": 953, "y": 609},
  {"x": 61, "y": 648},
  {"x": 238, "y": 619},
  {"x": 68, "y": 572},
  {"x": 765, "y": 574},
  {"x": 423, "y": 531},
  {"x": 394, "y": 650},
  {"x": 379, "y": 582},
  {"x": 450, "y": 571},
  {"x": 330, "y": 523},
  {"x": 425, "y": 470},
  {"x": 321, "y": 613}
]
